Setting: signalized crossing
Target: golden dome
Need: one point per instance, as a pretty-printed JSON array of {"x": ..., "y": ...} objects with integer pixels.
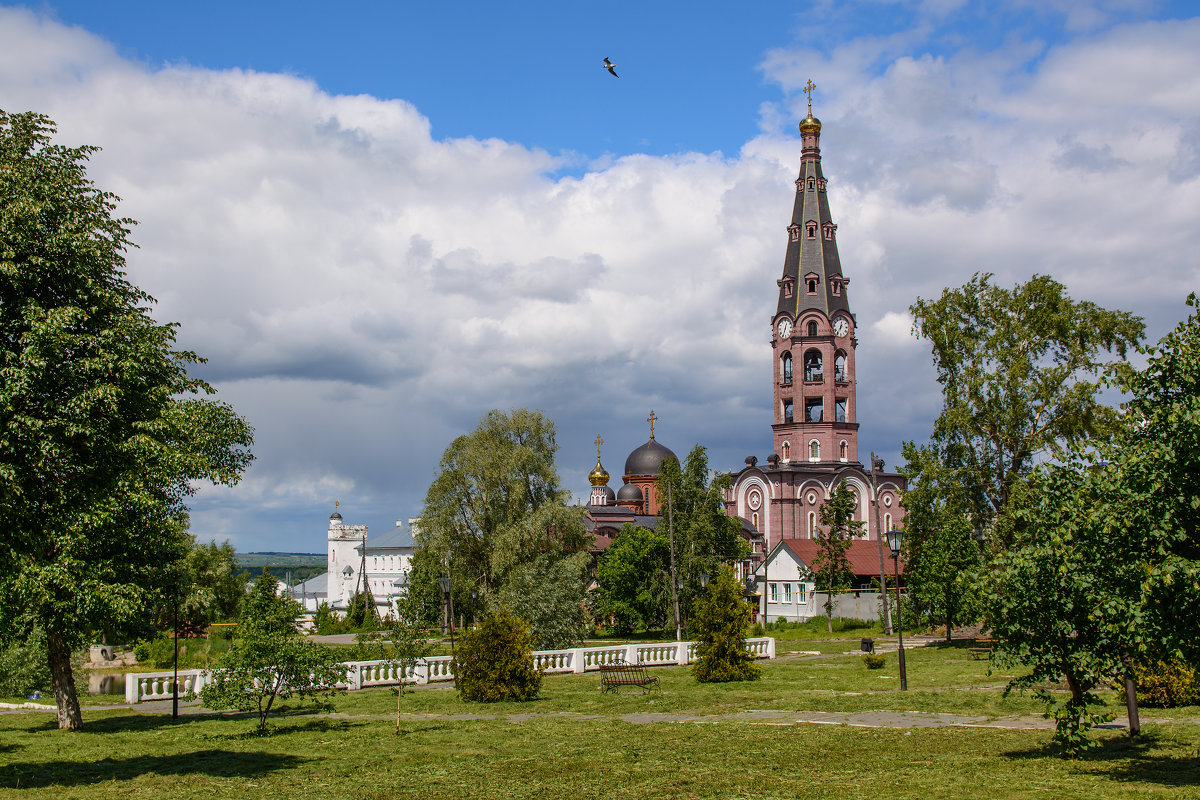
[
  {"x": 598, "y": 476},
  {"x": 810, "y": 123}
]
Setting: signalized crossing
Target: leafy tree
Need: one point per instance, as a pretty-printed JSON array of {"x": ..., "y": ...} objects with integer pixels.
[
  {"x": 103, "y": 434},
  {"x": 632, "y": 574},
  {"x": 210, "y": 588},
  {"x": 494, "y": 659},
  {"x": 495, "y": 517},
  {"x": 1021, "y": 372},
  {"x": 269, "y": 659},
  {"x": 941, "y": 557},
  {"x": 705, "y": 537},
  {"x": 720, "y": 619},
  {"x": 831, "y": 566},
  {"x": 362, "y": 614}
]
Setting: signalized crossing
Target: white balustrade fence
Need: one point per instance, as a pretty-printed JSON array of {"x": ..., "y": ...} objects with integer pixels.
[{"x": 142, "y": 686}]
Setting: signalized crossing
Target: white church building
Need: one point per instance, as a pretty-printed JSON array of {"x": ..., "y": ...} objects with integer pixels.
[{"x": 384, "y": 562}]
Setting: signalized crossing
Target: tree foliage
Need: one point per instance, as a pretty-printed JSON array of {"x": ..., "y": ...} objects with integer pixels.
[
  {"x": 1021, "y": 371},
  {"x": 496, "y": 519},
  {"x": 720, "y": 619},
  {"x": 705, "y": 537},
  {"x": 210, "y": 588},
  {"x": 494, "y": 659},
  {"x": 269, "y": 659},
  {"x": 942, "y": 560},
  {"x": 632, "y": 574},
  {"x": 103, "y": 434},
  {"x": 831, "y": 568}
]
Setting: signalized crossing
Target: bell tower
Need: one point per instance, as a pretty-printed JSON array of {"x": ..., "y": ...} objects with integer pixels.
[{"x": 813, "y": 332}]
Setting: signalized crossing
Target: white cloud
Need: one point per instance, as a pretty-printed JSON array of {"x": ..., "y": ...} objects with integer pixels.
[{"x": 364, "y": 292}]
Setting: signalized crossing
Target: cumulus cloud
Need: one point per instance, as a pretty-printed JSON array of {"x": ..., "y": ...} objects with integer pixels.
[{"x": 365, "y": 291}]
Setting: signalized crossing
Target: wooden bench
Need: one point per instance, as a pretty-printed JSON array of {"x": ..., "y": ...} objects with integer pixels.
[
  {"x": 982, "y": 648},
  {"x": 622, "y": 673}
]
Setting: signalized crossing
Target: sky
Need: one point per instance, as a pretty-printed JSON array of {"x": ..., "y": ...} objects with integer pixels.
[{"x": 378, "y": 221}]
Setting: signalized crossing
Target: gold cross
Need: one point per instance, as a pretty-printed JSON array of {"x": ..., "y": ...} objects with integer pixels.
[
  {"x": 598, "y": 442},
  {"x": 651, "y": 420},
  {"x": 808, "y": 90}
]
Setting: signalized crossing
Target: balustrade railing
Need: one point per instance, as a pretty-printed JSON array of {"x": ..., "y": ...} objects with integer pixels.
[{"x": 143, "y": 686}]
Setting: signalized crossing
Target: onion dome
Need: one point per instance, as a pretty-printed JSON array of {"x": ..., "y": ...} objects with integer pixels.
[
  {"x": 599, "y": 475},
  {"x": 648, "y": 459},
  {"x": 629, "y": 494},
  {"x": 810, "y": 124},
  {"x": 335, "y": 515}
]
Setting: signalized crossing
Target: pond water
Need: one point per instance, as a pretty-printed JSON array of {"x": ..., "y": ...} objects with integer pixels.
[{"x": 106, "y": 683}]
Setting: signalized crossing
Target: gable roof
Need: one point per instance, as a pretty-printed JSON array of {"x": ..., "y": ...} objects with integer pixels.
[
  {"x": 863, "y": 555},
  {"x": 399, "y": 536}
]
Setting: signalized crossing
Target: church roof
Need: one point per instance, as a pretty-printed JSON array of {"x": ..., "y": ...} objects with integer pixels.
[
  {"x": 399, "y": 536},
  {"x": 647, "y": 459},
  {"x": 816, "y": 254}
]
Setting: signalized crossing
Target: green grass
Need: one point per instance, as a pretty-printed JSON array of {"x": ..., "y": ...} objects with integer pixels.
[{"x": 577, "y": 742}]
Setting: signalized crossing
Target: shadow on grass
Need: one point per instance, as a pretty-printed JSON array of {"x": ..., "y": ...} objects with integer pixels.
[
  {"x": 1129, "y": 760},
  {"x": 214, "y": 763}
]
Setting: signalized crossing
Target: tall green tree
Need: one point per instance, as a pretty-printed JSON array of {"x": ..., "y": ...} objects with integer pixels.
[
  {"x": 720, "y": 621},
  {"x": 269, "y": 659},
  {"x": 1021, "y": 373},
  {"x": 496, "y": 518},
  {"x": 942, "y": 559},
  {"x": 632, "y": 578},
  {"x": 693, "y": 505},
  {"x": 210, "y": 587},
  {"x": 831, "y": 568},
  {"x": 103, "y": 434}
]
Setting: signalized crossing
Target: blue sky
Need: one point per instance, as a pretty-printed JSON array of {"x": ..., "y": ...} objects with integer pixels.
[{"x": 378, "y": 221}]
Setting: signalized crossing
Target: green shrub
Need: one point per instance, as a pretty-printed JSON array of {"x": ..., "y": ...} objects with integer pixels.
[
  {"x": 1167, "y": 684},
  {"x": 494, "y": 660},
  {"x": 24, "y": 667},
  {"x": 874, "y": 660},
  {"x": 720, "y": 619},
  {"x": 326, "y": 623}
]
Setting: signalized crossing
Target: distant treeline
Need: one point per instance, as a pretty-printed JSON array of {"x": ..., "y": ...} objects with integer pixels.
[
  {"x": 299, "y": 566},
  {"x": 283, "y": 571}
]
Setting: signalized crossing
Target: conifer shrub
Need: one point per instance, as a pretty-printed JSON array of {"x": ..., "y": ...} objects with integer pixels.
[
  {"x": 494, "y": 660},
  {"x": 720, "y": 619}
]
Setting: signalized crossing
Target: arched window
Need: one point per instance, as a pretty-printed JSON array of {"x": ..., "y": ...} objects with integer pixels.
[
  {"x": 811, "y": 228},
  {"x": 754, "y": 520},
  {"x": 812, "y": 524},
  {"x": 787, "y": 367},
  {"x": 786, "y": 447},
  {"x": 812, "y": 325},
  {"x": 812, "y": 365},
  {"x": 839, "y": 367},
  {"x": 794, "y": 232},
  {"x": 812, "y": 185},
  {"x": 843, "y": 451},
  {"x": 812, "y": 288},
  {"x": 814, "y": 450},
  {"x": 887, "y": 523}
]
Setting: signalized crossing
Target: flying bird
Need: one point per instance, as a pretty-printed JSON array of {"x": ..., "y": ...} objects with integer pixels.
[{"x": 611, "y": 67}]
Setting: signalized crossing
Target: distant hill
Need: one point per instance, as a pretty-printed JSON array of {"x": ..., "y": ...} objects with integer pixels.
[{"x": 260, "y": 559}]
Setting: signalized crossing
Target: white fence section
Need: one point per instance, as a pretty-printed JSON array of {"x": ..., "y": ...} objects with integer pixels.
[{"x": 142, "y": 686}]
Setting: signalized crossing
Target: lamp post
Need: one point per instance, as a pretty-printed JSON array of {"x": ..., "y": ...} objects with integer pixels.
[
  {"x": 175, "y": 676},
  {"x": 894, "y": 541},
  {"x": 444, "y": 582}
]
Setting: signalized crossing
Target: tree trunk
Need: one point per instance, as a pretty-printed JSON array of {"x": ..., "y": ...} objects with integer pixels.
[
  {"x": 1131, "y": 704},
  {"x": 69, "y": 717}
]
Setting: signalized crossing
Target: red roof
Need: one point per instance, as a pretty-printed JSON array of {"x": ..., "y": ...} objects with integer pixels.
[{"x": 863, "y": 555}]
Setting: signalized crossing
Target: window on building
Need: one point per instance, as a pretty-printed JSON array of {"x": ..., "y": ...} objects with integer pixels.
[
  {"x": 787, "y": 593},
  {"x": 837, "y": 286},
  {"x": 812, "y": 524},
  {"x": 814, "y": 409},
  {"x": 812, "y": 326},
  {"x": 787, "y": 288},
  {"x": 811, "y": 228},
  {"x": 887, "y": 523},
  {"x": 787, "y": 410},
  {"x": 812, "y": 289},
  {"x": 839, "y": 367},
  {"x": 843, "y": 452},
  {"x": 812, "y": 365},
  {"x": 794, "y": 232},
  {"x": 774, "y": 592},
  {"x": 787, "y": 367},
  {"x": 754, "y": 520},
  {"x": 812, "y": 184},
  {"x": 786, "y": 447},
  {"x": 814, "y": 450},
  {"x": 840, "y": 409}
]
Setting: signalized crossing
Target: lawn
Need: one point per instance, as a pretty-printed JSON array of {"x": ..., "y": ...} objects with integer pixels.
[{"x": 577, "y": 742}]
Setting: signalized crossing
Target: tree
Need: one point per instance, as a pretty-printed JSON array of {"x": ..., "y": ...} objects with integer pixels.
[
  {"x": 210, "y": 587},
  {"x": 269, "y": 659},
  {"x": 941, "y": 557},
  {"x": 409, "y": 644},
  {"x": 1021, "y": 372},
  {"x": 494, "y": 659},
  {"x": 720, "y": 620},
  {"x": 705, "y": 537},
  {"x": 632, "y": 577},
  {"x": 496, "y": 518},
  {"x": 103, "y": 434},
  {"x": 831, "y": 566}
]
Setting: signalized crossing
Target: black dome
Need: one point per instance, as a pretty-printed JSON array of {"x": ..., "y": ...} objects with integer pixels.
[
  {"x": 647, "y": 459},
  {"x": 628, "y": 493}
]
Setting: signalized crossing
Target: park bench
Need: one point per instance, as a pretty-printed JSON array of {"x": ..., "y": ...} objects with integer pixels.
[
  {"x": 622, "y": 673},
  {"x": 982, "y": 648}
]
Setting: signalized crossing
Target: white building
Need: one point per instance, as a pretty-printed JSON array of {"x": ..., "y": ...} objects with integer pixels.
[{"x": 387, "y": 560}]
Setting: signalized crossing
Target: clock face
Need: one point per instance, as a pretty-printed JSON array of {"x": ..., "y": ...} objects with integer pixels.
[
  {"x": 840, "y": 326},
  {"x": 785, "y": 328}
]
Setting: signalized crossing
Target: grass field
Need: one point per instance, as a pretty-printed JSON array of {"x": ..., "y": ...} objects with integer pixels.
[{"x": 576, "y": 742}]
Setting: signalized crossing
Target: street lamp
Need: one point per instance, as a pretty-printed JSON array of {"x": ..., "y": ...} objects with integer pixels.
[
  {"x": 444, "y": 582},
  {"x": 893, "y": 540},
  {"x": 704, "y": 580}
]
